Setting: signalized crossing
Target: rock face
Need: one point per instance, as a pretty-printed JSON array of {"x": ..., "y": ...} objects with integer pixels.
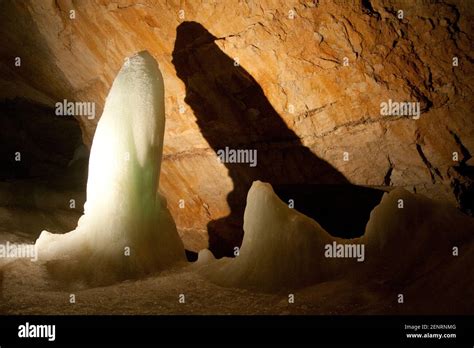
[{"x": 300, "y": 81}]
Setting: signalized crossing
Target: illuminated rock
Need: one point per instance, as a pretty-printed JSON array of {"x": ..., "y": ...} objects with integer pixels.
[
  {"x": 300, "y": 66},
  {"x": 126, "y": 228}
]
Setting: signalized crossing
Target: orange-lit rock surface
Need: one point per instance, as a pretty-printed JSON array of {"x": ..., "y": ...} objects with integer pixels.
[{"x": 295, "y": 52}]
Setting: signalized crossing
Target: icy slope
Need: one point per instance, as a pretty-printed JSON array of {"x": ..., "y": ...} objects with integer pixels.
[
  {"x": 407, "y": 237},
  {"x": 282, "y": 248},
  {"x": 126, "y": 228}
]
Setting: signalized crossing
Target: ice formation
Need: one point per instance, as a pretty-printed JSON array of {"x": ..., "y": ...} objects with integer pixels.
[
  {"x": 126, "y": 228},
  {"x": 409, "y": 235},
  {"x": 282, "y": 248}
]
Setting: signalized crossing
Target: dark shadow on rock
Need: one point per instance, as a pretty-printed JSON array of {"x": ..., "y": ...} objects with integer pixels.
[
  {"x": 39, "y": 146},
  {"x": 232, "y": 111}
]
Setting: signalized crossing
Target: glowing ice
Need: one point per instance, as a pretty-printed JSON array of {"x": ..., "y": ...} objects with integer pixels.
[
  {"x": 285, "y": 249},
  {"x": 281, "y": 247},
  {"x": 126, "y": 228}
]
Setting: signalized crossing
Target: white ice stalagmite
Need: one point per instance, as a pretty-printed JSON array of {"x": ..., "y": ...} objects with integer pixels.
[
  {"x": 126, "y": 228},
  {"x": 282, "y": 248}
]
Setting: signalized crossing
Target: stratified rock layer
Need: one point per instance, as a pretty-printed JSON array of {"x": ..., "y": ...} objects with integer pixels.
[{"x": 295, "y": 51}]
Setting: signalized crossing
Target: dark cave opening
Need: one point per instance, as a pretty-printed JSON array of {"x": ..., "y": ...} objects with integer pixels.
[
  {"x": 43, "y": 174},
  {"x": 38, "y": 145},
  {"x": 342, "y": 210}
]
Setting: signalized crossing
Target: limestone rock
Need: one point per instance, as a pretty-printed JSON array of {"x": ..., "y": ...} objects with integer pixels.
[{"x": 312, "y": 72}]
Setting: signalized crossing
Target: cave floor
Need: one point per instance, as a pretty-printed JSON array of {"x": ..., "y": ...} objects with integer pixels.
[{"x": 26, "y": 289}]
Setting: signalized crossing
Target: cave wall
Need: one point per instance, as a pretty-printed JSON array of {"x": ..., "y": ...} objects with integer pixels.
[{"x": 293, "y": 54}]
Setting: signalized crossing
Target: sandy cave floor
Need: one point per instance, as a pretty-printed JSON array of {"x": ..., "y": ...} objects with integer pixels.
[{"x": 27, "y": 289}]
